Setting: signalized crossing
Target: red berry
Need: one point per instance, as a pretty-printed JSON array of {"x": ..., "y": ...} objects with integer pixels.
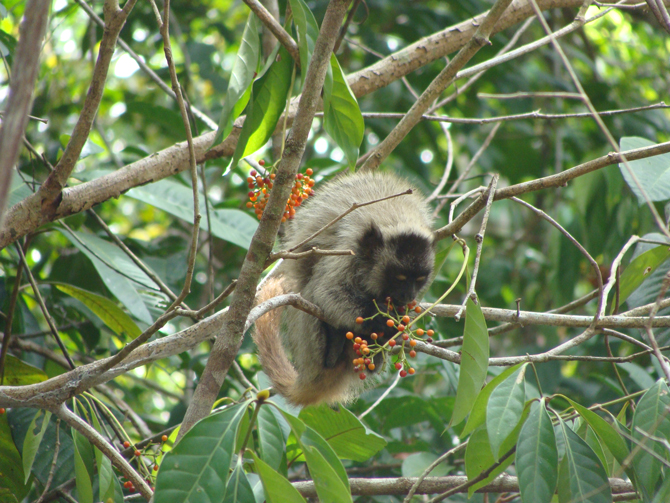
[
  {"x": 261, "y": 162},
  {"x": 362, "y": 376},
  {"x": 366, "y": 361},
  {"x": 155, "y": 468},
  {"x": 403, "y": 373},
  {"x": 398, "y": 365},
  {"x": 430, "y": 339},
  {"x": 137, "y": 453},
  {"x": 412, "y": 354},
  {"x": 126, "y": 444},
  {"x": 392, "y": 342},
  {"x": 405, "y": 337},
  {"x": 2, "y": 410},
  {"x": 357, "y": 346},
  {"x": 253, "y": 172}
]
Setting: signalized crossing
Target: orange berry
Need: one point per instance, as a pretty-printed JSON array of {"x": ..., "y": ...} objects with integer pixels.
[
  {"x": 412, "y": 343},
  {"x": 164, "y": 438},
  {"x": 430, "y": 333},
  {"x": 311, "y": 183},
  {"x": 405, "y": 319},
  {"x": 360, "y": 320},
  {"x": 371, "y": 366},
  {"x": 2, "y": 410},
  {"x": 365, "y": 350},
  {"x": 418, "y": 309},
  {"x": 412, "y": 354},
  {"x": 350, "y": 335},
  {"x": 389, "y": 323},
  {"x": 270, "y": 185},
  {"x": 411, "y": 371},
  {"x": 373, "y": 336},
  {"x": 358, "y": 340},
  {"x": 392, "y": 342},
  {"x": 309, "y": 171},
  {"x": 155, "y": 468},
  {"x": 126, "y": 444},
  {"x": 419, "y": 332},
  {"x": 283, "y": 219},
  {"x": 401, "y": 327},
  {"x": 137, "y": 453},
  {"x": 250, "y": 204}
]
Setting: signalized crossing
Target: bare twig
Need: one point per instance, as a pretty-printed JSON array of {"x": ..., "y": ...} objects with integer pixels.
[
  {"x": 648, "y": 327},
  {"x": 277, "y": 30},
  {"x": 312, "y": 251},
  {"x": 430, "y": 468},
  {"x": 379, "y": 400}
]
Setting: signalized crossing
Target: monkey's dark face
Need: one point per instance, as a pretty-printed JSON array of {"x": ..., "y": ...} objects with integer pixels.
[{"x": 398, "y": 267}]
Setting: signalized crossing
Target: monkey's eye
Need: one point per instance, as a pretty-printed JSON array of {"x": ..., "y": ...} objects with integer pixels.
[
  {"x": 421, "y": 278},
  {"x": 401, "y": 277}
]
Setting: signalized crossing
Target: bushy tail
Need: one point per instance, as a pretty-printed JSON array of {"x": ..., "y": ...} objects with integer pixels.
[{"x": 267, "y": 337}]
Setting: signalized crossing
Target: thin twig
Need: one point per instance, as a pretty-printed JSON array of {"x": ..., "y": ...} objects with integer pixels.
[
  {"x": 381, "y": 397},
  {"x": 430, "y": 468},
  {"x": 277, "y": 30}
]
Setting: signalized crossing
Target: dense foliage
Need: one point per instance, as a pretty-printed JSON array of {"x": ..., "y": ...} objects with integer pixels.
[{"x": 569, "y": 402}]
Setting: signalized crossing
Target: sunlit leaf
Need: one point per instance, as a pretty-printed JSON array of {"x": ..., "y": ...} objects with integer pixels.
[
  {"x": 653, "y": 173},
  {"x": 277, "y": 488},
  {"x": 474, "y": 361},
  {"x": 308, "y": 30},
  {"x": 478, "y": 457},
  {"x": 31, "y": 442},
  {"x": 504, "y": 409},
  {"x": 242, "y": 75},
  {"x": 18, "y": 373},
  {"x": 640, "y": 269}
]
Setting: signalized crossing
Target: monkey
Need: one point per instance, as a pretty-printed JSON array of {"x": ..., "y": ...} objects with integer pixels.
[{"x": 393, "y": 260}]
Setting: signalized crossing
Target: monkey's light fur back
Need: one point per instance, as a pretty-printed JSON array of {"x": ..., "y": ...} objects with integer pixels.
[{"x": 342, "y": 286}]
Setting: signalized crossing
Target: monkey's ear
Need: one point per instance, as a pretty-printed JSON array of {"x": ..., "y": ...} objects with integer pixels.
[{"x": 371, "y": 241}]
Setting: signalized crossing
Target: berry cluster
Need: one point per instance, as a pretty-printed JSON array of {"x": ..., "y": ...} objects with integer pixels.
[
  {"x": 260, "y": 188},
  {"x": 398, "y": 319},
  {"x": 147, "y": 453}
]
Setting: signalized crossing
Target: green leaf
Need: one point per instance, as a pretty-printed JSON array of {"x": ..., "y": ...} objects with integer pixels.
[
  {"x": 653, "y": 173},
  {"x": 640, "y": 269},
  {"x": 588, "y": 480},
  {"x": 277, "y": 488},
  {"x": 125, "y": 290},
  {"x": 12, "y": 479},
  {"x": 474, "y": 362},
  {"x": 651, "y": 419},
  {"x": 32, "y": 441},
  {"x": 271, "y": 438},
  {"x": 415, "y": 464},
  {"x": 83, "y": 479},
  {"x": 504, "y": 409},
  {"x": 607, "y": 434},
  {"x": 342, "y": 118},
  {"x": 537, "y": 457},
  {"x": 267, "y": 103},
  {"x": 197, "y": 467},
  {"x": 118, "y": 321},
  {"x": 106, "y": 482},
  {"x": 478, "y": 457},
  {"x": 243, "y": 73},
  {"x": 308, "y": 31},
  {"x": 18, "y": 373},
  {"x": 238, "y": 489},
  {"x": 478, "y": 414},
  {"x": 231, "y": 225},
  {"x": 348, "y": 437}
]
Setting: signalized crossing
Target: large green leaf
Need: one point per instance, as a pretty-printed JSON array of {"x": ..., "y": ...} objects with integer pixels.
[
  {"x": 537, "y": 457},
  {"x": 18, "y": 373},
  {"x": 342, "y": 118},
  {"x": 651, "y": 419},
  {"x": 478, "y": 457},
  {"x": 270, "y": 437},
  {"x": 105, "y": 309},
  {"x": 588, "y": 482},
  {"x": 238, "y": 488},
  {"x": 12, "y": 479},
  {"x": 308, "y": 30},
  {"x": 474, "y": 362},
  {"x": 268, "y": 100},
  {"x": 32, "y": 441},
  {"x": 640, "y": 269},
  {"x": 242, "y": 75},
  {"x": 106, "y": 483},
  {"x": 478, "y": 414},
  {"x": 653, "y": 173},
  {"x": 505, "y": 408},
  {"x": 82, "y": 475},
  {"x": 104, "y": 254},
  {"x": 231, "y": 225},
  {"x": 277, "y": 488},
  {"x": 348, "y": 437},
  {"x": 195, "y": 471}
]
